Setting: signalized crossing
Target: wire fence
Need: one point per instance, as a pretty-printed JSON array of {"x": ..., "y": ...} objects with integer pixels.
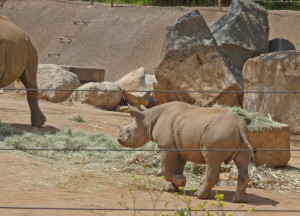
[
  {"x": 145, "y": 150},
  {"x": 142, "y": 209},
  {"x": 137, "y": 150},
  {"x": 150, "y": 91}
]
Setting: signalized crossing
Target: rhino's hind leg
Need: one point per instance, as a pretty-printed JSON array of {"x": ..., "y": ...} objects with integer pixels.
[
  {"x": 29, "y": 81},
  {"x": 242, "y": 161},
  {"x": 172, "y": 168},
  {"x": 212, "y": 178}
]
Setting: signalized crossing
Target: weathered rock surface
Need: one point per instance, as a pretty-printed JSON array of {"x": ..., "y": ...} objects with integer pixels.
[
  {"x": 135, "y": 80},
  {"x": 123, "y": 109},
  {"x": 150, "y": 82},
  {"x": 53, "y": 77},
  {"x": 192, "y": 61},
  {"x": 100, "y": 95},
  {"x": 280, "y": 44},
  {"x": 272, "y": 139},
  {"x": 243, "y": 32},
  {"x": 278, "y": 71}
]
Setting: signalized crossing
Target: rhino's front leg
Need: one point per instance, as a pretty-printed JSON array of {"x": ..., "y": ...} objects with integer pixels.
[
  {"x": 172, "y": 168},
  {"x": 212, "y": 177}
]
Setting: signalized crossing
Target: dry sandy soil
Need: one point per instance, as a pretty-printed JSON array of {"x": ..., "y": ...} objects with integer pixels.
[
  {"x": 118, "y": 40},
  {"x": 29, "y": 182}
]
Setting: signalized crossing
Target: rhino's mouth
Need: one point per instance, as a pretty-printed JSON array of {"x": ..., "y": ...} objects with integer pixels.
[{"x": 121, "y": 141}]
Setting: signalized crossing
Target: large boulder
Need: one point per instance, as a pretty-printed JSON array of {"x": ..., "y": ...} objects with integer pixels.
[
  {"x": 280, "y": 44},
  {"x": 192, "y": 61},
  {"x": 266, "y": 134},
  {"x": 270, "y": 139},
  {"x": 243, "y": 32},
  {"x": 51, "y": 77},
  {"x": 150, "y": 82},
  {"x": 135, "y": 80},
  {"x": 104, "y": 95},
  {"x": 278, "y": 71}
]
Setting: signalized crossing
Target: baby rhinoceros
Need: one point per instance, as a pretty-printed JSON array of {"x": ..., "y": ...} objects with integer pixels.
[{"x": 178, "y": 125}]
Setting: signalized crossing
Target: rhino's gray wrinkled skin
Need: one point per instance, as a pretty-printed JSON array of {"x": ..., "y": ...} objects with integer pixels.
[
  {"x": 178, "y": 125},
  {"x": 19, "y": 60}
]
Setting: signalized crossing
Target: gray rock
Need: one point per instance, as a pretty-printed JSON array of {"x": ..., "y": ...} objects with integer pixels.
[
  {"x": 135, "y": 80},
  {"x": 243, "y": 32},
  {"x": 277, "y": 71},
  {"x": 193, "y": 61},
  {"x": 280, "y": 44},
  {"x": 104, "y": 95},
  {"x": 150, "y": 82},
  {"x": 53, "y": 77}
]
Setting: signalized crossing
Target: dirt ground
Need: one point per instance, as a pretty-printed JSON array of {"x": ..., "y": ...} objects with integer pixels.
[
  {"x": 29, "y": 182},
  {"x": 119, "y": 40}
]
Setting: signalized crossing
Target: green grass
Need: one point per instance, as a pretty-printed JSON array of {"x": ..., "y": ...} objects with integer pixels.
[{"x": 268, "y": 4}]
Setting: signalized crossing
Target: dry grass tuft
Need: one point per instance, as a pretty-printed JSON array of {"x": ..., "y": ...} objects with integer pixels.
[
  {"x": 77, "y": 118},
  {"x": 278, "y": 179},
  {"x": 263, "y": 177},
  {"x": 253, "y": 120}
]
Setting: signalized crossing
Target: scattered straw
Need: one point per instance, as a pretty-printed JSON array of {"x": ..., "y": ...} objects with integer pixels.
[
  {"x": 279, "y": 179},
  {"x": 253, "y": 120}
]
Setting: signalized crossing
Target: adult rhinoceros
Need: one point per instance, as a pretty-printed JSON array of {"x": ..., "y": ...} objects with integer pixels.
[
  {"x": 19, "y": 60},
  {"x": 179, "y": 125}
]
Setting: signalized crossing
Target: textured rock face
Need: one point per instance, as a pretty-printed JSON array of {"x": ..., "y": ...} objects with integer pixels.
[
  {"x": 53, "y": 77},
  {"x": 278, "y": 71},
  {"x": 99, "y": 97},
  {"x": 280, "y": 44},
  {"x": 135, "y": 80},
  {"x": 150, "y": 82},
  {"x": 243, "y": 32},
  {"x": 192, "y": 61},
  {"x": 272, "y": 139}
]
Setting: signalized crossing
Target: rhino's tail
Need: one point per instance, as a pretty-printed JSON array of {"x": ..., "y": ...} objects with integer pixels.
[{"x": 245, "y": 136}]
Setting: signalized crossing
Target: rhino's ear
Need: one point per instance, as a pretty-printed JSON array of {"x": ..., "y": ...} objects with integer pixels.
[
  {"x": 121, "y": 126},
  {"x": 134, "y": 112}
]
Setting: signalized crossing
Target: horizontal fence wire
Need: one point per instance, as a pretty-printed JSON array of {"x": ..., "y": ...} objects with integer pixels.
[
  {"x": 270, "y": 1},
  {"x": 136, "y": 150},
  {"x": 141, "y": 209},
  {"x": 153, "y": 150},
  {"x": 159, "y": 91}
]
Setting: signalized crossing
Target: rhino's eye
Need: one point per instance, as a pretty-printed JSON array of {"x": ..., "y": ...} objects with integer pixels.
[{"x": 127, "y": 130}]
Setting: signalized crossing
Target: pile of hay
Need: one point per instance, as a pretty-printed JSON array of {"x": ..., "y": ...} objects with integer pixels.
[
  {"x": 68, "y": 140},
  {"x": 253, "y": 120},
  {"x": 281, "y": 179}
]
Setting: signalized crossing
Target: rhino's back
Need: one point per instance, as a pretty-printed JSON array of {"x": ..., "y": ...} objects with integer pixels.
[
  {"x": 183, "y": 124},
  {"x": 15, "y": 51}
]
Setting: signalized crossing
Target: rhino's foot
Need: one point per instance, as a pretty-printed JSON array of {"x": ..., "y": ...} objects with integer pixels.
[
  {"x": 179, "y": 180},
  {"x": 238, "y": 198},
  {"x": 38, "y": 120},
  {"x": 202, "y": 194},
  {"x": 171, "y": 187}
]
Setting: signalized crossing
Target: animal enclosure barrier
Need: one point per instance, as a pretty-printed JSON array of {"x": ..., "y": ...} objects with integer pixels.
[
  {"x": 157, "y": 150},
  {"x": 85, "y": 74}
]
